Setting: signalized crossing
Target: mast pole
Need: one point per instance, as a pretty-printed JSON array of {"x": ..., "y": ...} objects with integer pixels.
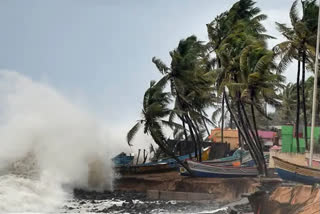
[{"x": 315, "y": 84}]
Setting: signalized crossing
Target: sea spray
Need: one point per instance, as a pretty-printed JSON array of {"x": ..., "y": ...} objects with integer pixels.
[{"x": 48, "y": 146}]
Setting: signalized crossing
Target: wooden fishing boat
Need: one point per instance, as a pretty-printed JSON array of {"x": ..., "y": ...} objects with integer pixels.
[
  {"x": 246, "y": 161},
  {"x": 205, "y": 156},
  {"x": 315, "y": 162},
  {"x": 161, "y": 166},
  {"x": 228, "y": 160},
  {"x": 213, "y": 171},
  {"x": 150, "y": 168},
  {"x": 122, "y": 159},
  {"x": 294, "y": 172}
]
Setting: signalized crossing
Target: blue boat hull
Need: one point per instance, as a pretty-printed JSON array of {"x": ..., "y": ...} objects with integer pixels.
[
  {"x": 122, "y": 160},
  {"x": 291, "y": 176}
]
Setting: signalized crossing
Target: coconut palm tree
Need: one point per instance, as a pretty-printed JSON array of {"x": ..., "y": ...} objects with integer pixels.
[
  {"x": 300, "y": 45},
  {"x": 191, "y": 85},
  {"x": 155, "y": 109},
  {"x": 288, "y": 99},
  {"x": 244, "y": 31}
]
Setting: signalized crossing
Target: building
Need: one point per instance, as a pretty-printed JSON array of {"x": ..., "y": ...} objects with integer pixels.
[
  {"x": 229, "y": 136},
  {"x": 267, "y": 137}
]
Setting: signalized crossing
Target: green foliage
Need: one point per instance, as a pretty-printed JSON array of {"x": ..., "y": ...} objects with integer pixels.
[{"x": 235, "y": 61}]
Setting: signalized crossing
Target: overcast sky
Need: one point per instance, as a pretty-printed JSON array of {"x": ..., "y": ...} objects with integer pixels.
[{"x": 98, "y": 52}]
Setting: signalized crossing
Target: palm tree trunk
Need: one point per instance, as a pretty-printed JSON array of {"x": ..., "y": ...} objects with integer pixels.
[
  {"x": 222, "y": 119},
  {"x": 304, "y": 100},
  {"x": 257, "y": 135},
  {"x": 298, "y": 106},
  {"x": 241, "y": 121},
  {"x": 204, "y": 123},
  {"x": 184, "y": 130},
  {"x": 256, "y": 145},
  {"x": 198, "y": 140},
  {"x": 242, "y": 133},
  {"x": 185, "y": 133},
  {"x": 168, "y": 152},
  {"x": 255, "y": 127},
  {"x": 192, "y": 136}
]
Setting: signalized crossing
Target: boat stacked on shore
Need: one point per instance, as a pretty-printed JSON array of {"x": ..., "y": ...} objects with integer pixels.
[
  {"x": 298, "y": 173},
  {"x": 160, "y": 166},
  {"x": 216, "y": 171}
]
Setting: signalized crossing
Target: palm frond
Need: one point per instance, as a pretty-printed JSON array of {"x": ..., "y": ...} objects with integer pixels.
[
  {"x": 294, "y": 14},
  {"x": 162, "y": 67},
  {"x": 132, "y": 132}
]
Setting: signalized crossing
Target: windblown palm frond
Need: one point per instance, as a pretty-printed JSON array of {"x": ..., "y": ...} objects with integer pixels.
[{"x": 133, "y": 131}]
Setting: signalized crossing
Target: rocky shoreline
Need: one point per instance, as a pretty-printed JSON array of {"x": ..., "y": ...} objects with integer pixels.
[
  {"x": 131, "y": 195},
  {"x": 137, "y": 202}
]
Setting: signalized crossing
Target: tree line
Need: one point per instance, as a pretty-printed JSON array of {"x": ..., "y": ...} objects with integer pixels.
[{"x": 235, "y": 73}]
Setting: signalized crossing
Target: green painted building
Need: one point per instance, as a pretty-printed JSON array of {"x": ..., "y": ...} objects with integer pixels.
[{"x": 289, "y": 141}]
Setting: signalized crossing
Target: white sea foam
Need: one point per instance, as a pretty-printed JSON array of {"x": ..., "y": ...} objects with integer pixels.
[{"x": 47, "y": 146}]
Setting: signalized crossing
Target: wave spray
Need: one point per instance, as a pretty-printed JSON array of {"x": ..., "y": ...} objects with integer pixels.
[{"x": 48, "y": 146}]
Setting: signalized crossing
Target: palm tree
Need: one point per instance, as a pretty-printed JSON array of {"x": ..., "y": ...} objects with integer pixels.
[
  {"x": 217, "y": 32},
  {"x": 288, "y": 99},
  {"x": 300, "y": 45},
  {"x": 261, "y": 83},
  {"x": 191, "y": 85},
  {"x": 155, "y": 108},
  {"x": 244, "y": 30}
]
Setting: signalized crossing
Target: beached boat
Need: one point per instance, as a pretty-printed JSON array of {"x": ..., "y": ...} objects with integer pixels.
[
  {"x": 173, "y": 163},
  {"x": 235, "y": 161},
  {"x": 315, "y": 162},
  {"x": 122, "y": 159},
  {"x": 146, "y": 168},
  {"x": 161, "y": 166},
  {"x": 214, "y": 171},
  {"x": 294, "y": 172},
  {"x": 235, "y": 157},
  {"x": 229, "y": 161}
]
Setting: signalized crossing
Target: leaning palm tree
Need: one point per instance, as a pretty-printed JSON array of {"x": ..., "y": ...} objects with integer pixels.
[
  {"x": 244, "y": 29},
  {"x": 300, "y": 45},
  {"x": 155, "y": 109},
  {"x": 191, "y": 86}
]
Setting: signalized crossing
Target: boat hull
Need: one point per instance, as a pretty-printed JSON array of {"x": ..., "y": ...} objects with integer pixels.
[
  {"x": 166, "y": 165},
  {"x": 293, "y": 172},
  {"x": 291, "y": 176},
  {"x": 122, "y": 160},
  {"x": 140, "y": 169},
  {"x": 212, "y": 171}
]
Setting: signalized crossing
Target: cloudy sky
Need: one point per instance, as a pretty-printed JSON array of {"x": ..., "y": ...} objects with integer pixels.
[{"x": 98, "y": 52}]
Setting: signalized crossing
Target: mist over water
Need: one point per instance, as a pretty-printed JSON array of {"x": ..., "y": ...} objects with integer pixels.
[{"x": 48, "y": 146}]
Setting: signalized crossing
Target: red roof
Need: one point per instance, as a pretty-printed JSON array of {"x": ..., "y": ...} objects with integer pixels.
[{"x": 267, "y": 134}]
